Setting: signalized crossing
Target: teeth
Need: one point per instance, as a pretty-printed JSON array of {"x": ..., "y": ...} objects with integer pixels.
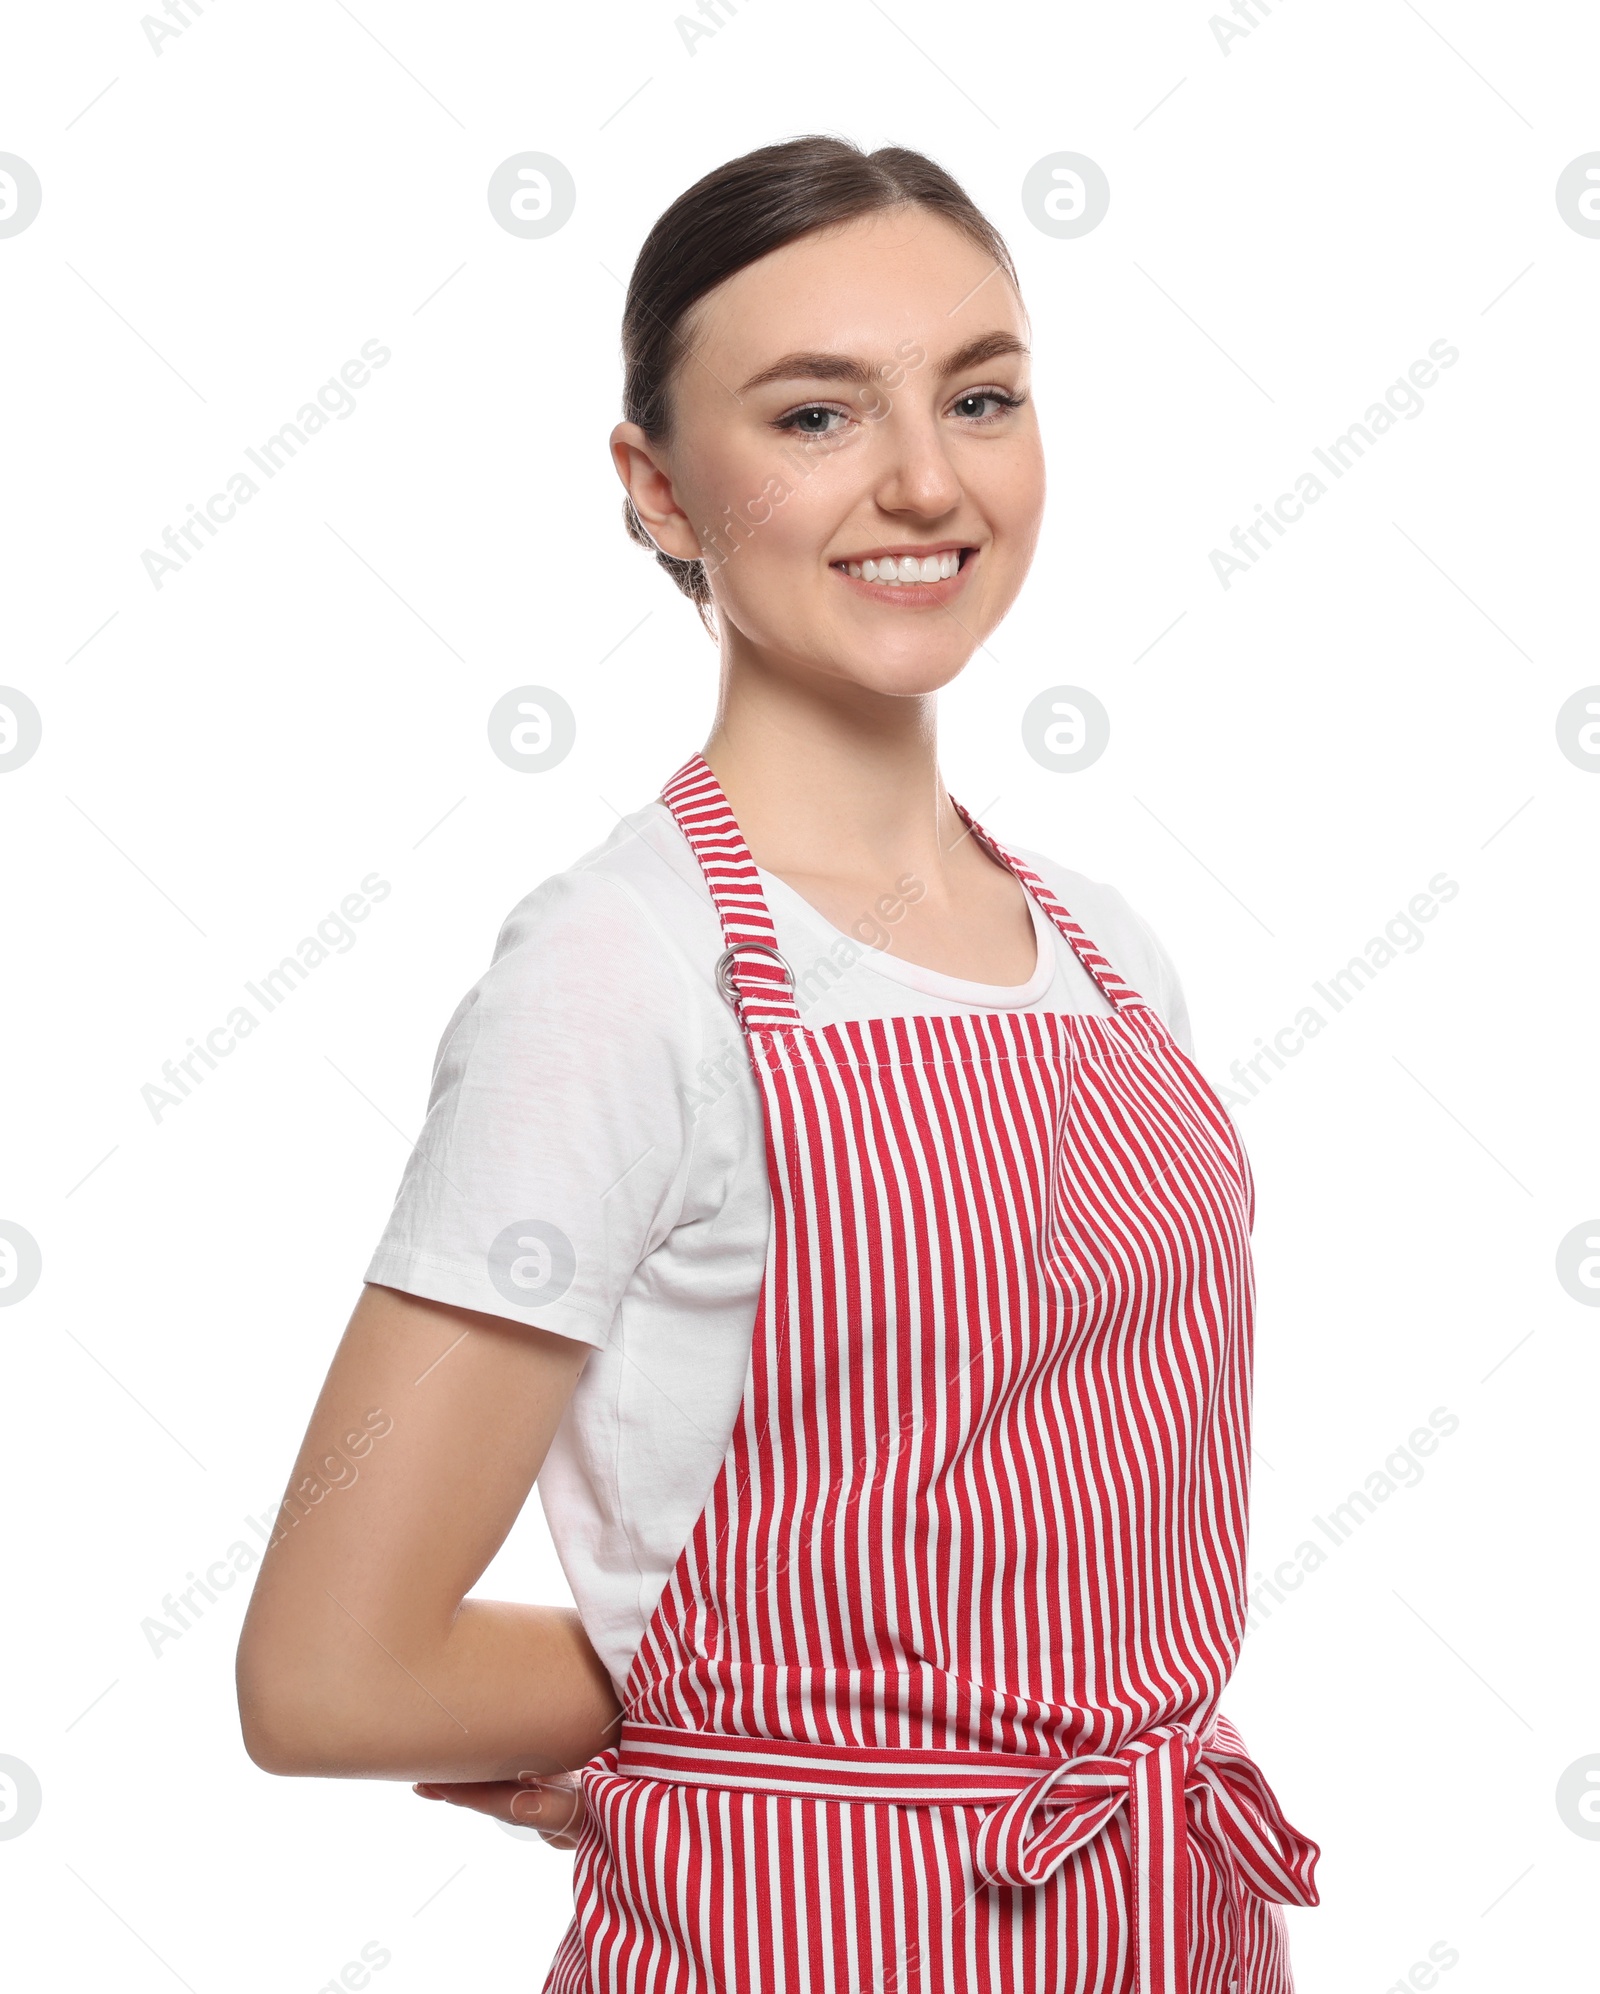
[{"x": 907, "y": 568}]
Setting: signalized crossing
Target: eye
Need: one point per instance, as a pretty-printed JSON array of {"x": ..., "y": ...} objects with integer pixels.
[
  {"x": 997, "y": 395},
  {"x": 796, "y": 419}
]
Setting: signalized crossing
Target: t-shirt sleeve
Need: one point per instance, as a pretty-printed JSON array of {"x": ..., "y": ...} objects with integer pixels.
[{"x": 554, "y": 1154}]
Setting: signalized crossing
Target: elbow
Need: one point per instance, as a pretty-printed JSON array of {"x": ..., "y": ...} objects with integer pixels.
[
  {"x": 304, "y": 1740},
  {"x": 277, "y": 1736},
  {"x": 304, "y": 1714},
  {"x": 288, "y": 1719},
  {"x": 274, "y": 1747}
]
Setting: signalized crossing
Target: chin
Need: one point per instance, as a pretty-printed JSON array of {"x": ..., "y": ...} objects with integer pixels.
[{"x": 903, "y": 676}]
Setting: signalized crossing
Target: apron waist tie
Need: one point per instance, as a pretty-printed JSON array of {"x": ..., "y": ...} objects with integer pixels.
[{"x": 1036, "y": 1819}]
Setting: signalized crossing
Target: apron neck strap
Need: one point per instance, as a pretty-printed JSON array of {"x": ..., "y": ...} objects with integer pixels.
[
  {"x": 752, "y": 975},
  {"x": 1119, "y": 995}
]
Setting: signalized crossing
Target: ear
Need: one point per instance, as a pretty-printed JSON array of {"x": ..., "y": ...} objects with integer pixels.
[{"x": 642, "y": 468}]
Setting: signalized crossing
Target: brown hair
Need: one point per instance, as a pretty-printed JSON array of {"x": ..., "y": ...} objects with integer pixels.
[{"x": 735, "y": 215}]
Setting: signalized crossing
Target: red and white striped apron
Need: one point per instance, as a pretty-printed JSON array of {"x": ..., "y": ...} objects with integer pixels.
[{"x": 929, "y": 1702}]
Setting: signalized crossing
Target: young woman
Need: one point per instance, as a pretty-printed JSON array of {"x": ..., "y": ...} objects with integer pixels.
[{"x": 876, "y": 1320}]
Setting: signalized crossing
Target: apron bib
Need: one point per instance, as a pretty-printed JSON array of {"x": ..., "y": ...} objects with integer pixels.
[{"x": 929, "y": 1703}]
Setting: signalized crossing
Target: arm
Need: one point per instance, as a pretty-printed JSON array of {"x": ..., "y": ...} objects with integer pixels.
[{"x": 360, "y": 1655}]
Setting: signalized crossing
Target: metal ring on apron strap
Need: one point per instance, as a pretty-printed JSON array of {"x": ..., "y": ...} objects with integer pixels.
[{"x": 724, "y": 968}]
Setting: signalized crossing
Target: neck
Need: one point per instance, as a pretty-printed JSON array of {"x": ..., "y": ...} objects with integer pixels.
[{"x": 841, "y": 784}]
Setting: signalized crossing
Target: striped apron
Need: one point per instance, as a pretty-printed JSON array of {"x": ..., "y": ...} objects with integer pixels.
[{"x": 929, "y": 1702}]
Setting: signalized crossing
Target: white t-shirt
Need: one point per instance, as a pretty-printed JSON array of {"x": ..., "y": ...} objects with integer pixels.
[{"x": 595, "y": 1128}]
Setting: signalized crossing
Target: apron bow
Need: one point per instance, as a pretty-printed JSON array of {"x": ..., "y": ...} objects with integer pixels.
[{"x": 1026, "y": 1839}]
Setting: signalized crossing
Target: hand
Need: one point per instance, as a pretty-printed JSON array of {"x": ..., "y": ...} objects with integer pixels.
[{"x": 551, "y": 1802}]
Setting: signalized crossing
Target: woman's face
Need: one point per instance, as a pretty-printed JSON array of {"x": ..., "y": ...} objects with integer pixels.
[{"x": 849, "y": 398}]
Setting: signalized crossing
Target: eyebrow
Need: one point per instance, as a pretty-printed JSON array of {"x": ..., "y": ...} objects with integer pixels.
[{"x": 845, "y": 367}]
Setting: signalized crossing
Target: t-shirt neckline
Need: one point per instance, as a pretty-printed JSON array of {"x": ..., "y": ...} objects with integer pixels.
[{"x": 933, "y": 982}]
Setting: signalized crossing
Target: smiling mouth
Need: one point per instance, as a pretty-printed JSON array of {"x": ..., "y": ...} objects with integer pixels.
[{"x": 928, "y": 576}]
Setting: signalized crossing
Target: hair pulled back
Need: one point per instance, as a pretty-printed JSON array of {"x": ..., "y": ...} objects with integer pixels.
[{"x": 732, "y": 217}]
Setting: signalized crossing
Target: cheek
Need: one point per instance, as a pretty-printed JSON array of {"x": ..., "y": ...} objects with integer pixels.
[
  {"x": 774, "y": 510},
  {"x": 1014, "y": 485},
  {"x": 791, "y": 517},
  {"x": 737, "y": 493}
]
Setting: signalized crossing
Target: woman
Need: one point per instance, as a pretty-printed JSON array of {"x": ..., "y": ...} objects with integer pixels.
[{"x": 877, "y": 1321}]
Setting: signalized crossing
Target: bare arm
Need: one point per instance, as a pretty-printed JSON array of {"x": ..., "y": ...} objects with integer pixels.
[{"x": 360, "y": 1655}]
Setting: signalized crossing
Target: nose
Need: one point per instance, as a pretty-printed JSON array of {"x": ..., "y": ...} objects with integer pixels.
[{"x": 917, "y": 476}]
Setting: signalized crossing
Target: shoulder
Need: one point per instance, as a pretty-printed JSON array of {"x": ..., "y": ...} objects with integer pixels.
[
  {"x": 606, "y": 963},
  {"x": 566, "y": 1087},
  {"x": 622, "y": 926},
  {"x": 1120, "y": 933}
]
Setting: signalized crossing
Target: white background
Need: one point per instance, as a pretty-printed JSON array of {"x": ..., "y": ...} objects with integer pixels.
[{"x": 1293, "y": 222}]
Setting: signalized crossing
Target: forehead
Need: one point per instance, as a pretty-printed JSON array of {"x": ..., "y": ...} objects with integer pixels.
[{"x": 858, "y": 287}]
